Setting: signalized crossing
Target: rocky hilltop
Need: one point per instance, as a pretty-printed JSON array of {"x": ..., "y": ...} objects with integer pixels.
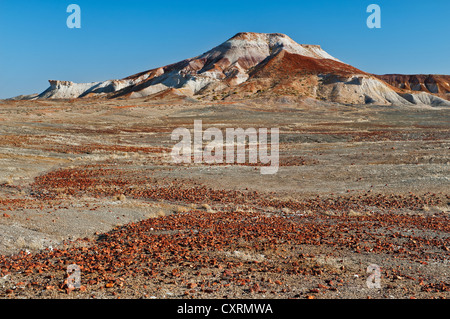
[
  {"x": 259, "y": 65},
  {"x": 430, "y": 83}
]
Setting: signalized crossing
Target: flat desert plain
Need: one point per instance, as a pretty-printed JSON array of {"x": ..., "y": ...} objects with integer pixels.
[{"x": 91, "y": 182}]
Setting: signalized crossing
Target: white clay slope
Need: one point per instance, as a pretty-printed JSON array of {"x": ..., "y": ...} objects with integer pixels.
[{"x": 236, "y": 56}]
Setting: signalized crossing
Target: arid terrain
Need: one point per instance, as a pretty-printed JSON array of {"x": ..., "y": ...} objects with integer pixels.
[{"x": 91, "y": 182}]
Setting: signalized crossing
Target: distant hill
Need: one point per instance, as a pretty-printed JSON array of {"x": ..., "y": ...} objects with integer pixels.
[{"x": 264, "y": 65}]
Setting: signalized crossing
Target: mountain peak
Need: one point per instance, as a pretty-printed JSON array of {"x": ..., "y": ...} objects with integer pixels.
[{"x": 256, "y": 35}]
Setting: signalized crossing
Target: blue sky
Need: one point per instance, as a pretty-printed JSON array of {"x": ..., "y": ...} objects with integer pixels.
[{"x": 120, "y": 38}]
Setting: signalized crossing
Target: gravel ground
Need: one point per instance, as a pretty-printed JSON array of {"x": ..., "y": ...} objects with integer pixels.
[{"x": 91, "y": 183}]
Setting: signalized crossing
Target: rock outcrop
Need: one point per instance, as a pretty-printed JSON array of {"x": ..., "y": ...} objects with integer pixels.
[{"x": 436, "y": 84}]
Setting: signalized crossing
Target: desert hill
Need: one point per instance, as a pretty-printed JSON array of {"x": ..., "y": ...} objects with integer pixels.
[{"x": 260, "y": 64}]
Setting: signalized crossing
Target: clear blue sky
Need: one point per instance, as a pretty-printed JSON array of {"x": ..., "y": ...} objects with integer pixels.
[{"x": 120, "y": 38}]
